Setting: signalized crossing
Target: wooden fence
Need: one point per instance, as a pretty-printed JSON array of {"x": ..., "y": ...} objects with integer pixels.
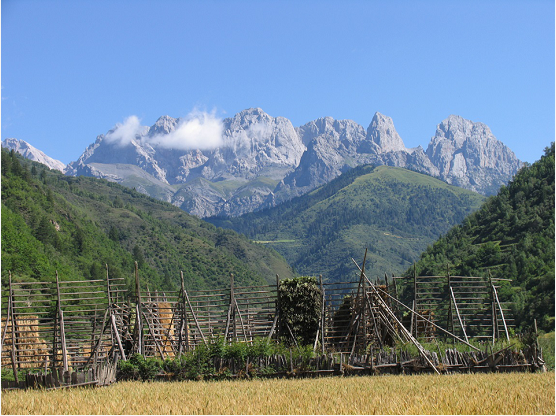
[{"x": 82, "y": 325}]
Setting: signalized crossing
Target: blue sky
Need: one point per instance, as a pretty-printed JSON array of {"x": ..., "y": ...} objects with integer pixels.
[{"x": 72, "y": 70}]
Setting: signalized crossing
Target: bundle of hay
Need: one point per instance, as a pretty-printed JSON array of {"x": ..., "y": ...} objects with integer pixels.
[
  {"x": 165, "y": 317},
  {"x": 32, "y": 351}
]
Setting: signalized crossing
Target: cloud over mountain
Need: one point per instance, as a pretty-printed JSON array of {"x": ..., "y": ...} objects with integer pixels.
[{"x": 198, "y": 130}]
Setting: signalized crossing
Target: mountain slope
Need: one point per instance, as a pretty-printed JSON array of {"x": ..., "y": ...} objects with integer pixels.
[
  {"x": 32, "y": 153},
  {"x": 394, "y": 212},
  {"x": 75, "y": 225},
  {"x": 253, "y": 161},
  {"x": 511, "y": 236}
]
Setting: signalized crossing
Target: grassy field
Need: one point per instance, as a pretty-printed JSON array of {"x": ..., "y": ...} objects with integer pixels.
[{"x": 517, "y": 393}]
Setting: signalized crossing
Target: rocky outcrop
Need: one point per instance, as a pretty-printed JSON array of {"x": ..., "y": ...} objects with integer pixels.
[
  {"x": 383, "y": 134},
  {"x": 32, "y": 153},
  {"x": 468, "y": 155}
]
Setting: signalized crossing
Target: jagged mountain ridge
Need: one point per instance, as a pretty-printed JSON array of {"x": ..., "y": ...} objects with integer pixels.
[
  {"x": 263, "y": 160},
  {"x": 32, "y": 153}
]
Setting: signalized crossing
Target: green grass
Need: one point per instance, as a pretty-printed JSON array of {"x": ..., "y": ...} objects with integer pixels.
[{"x": 547, "y": 343}]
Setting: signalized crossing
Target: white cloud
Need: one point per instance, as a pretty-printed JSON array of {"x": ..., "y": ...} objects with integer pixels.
[
  {"x": 122, "y": 134},
  {"x": 199, "y": 130}
]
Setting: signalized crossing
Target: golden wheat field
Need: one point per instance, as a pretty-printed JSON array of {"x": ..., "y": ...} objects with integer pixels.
[{"x": 519, "y": 393}]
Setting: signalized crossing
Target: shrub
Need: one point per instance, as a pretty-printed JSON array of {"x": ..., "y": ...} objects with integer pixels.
[{"x": 300, "y": 308}]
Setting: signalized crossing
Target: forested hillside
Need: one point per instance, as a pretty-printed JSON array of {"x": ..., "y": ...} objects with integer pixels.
[
  {"x": 394, "y": 212},
  {"x": 76, "y": 225},
  {"x": 512, "y": 236}
]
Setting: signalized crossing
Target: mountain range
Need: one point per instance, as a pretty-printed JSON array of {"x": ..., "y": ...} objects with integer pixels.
[
  {"x": 253, "y": 161},
  {"x": 394, "y": 212}
]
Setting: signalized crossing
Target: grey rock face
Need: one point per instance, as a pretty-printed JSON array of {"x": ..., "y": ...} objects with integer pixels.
[
  {"x": 32, "y": 153},
  {"x": 468, "y": 155},
  {"x": 382, "y": 132},
  {"x": 263, "y": 160}
]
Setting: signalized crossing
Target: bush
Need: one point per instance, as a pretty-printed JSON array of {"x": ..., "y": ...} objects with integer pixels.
[
  {"x": 139, "y": 368},
  {"x": 300, "y": 308}
]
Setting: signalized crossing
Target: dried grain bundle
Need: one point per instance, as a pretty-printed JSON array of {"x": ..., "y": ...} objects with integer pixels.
[
  {"x": 166, "y": 319},
  {"x": 31, "y": 349}
]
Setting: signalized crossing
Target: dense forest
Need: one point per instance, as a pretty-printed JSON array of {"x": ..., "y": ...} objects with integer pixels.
[
  {"x": 76, "y": 225},
  {"x": 511, "y": 236},
  {"x": 394, "y": 212}
]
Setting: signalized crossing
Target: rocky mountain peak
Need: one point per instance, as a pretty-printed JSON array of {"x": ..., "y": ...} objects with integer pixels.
[
  {"x": 32, "y": 153},
  {"x": 383, "y": 133},
  {"x": 252, "y": 116},
  {"x": 164, "y": 125},
  {"x": 468, "y": 155}
]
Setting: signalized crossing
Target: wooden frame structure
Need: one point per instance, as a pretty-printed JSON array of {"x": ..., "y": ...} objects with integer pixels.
[
  {"x": 82, "y": 325},
  {"x": 466, "y": 305}
]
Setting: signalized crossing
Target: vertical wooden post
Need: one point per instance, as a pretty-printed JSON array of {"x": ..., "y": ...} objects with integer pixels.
[
  {"x": 8, "y": 318},
  {"x": 110, "y": 308},
  {"x": 501, "y": 312},
  {"x": 414, "y": 318},
  {"x": 493, "y": 308},
  {"x": 14, "y": 340},
  {"x": 278, "y": 312},
  {"x": 232, "y": 301},
  {"x": 108, "y": 286},
  {"x": 139, "y": 322},
  {"x": 322, "y": 317},
  {"x": 395, "y": 288},
  {"x": 184, "y": 326},
  {"x": 450, "y": 317},
  {"x": 62, "y": 328}
]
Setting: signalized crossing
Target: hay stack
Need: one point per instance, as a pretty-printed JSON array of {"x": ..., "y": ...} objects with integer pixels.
[
  {"x": 32, "y": 350},
  {"x": 165, "y": 317}
]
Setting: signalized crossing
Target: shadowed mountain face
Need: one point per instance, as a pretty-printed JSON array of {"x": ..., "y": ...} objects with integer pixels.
[{"x": 253, "y": 160}]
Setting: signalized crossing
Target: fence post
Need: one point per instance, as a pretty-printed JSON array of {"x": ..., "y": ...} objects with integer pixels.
[
  {"x": 413, "y": 317},
  {"x": 278, "y": 313},
  {"x": 184, "y": 325},
  {"x": 62, "y": 328},
  {"x": 322, "y": 317},
  {"x": 139, "y": 322},
  {"x": 233, "y": 315},
  {"x": 14, "y": 341}
]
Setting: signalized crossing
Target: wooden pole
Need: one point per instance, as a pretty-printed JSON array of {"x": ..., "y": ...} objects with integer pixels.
[
  {"x": 62, "y": 327},
  {"x": 183, "y": 320},
  {"x": 119, "y": 341},
  {"x": 493, "y": 308},
  {"x": 501, "y": 312},
  {"x": 139, "y": 322},
  {"x": 413, "y": 319},
  {"x": 194, "y": 317},
  {"x": 457, "y": 311},
  {"x": 241, "y": 320},
  {"x": 104, "y": 326},
  {"x": 14, "y": 340},
  {"x": 322, "y": 313},
  {"x": 232, "y": 300},
  {"x": 387, "y": 310},
  {"x": 153, "y": 335},
  {"x": 110, "y": 308},
  {"x": 432, "y": 323},
  {"x": 278, "y": 312}
]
